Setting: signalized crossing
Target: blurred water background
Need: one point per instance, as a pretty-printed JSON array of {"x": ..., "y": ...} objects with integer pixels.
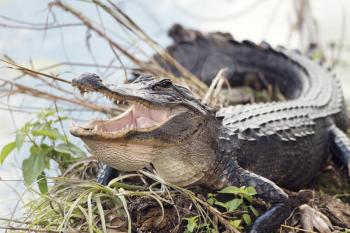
[{"x": 271, "y": 20}]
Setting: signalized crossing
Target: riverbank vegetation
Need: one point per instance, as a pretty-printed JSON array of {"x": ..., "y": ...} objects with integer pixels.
[{"x": 60, "y": 173}]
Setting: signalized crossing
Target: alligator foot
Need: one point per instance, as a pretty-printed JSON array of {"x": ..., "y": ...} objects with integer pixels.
[
  {"x": 340, "y": 147},
  {"x": 106, "y": 174},
  {"x": 271, "y": 219}
]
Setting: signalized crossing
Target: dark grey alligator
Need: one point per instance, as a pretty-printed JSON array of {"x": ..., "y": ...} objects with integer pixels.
[{"x": 267, "y": 145}]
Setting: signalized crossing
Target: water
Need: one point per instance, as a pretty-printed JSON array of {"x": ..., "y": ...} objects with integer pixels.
[{"x": 269, "y": 21}]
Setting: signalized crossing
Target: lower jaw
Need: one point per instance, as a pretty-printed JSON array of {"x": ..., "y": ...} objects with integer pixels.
[
  {"x": 121, "y": 156},
  {"x": 130, "y": 157}
]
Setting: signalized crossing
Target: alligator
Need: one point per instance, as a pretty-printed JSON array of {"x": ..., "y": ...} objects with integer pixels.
[{"x": 269, "y": 146}]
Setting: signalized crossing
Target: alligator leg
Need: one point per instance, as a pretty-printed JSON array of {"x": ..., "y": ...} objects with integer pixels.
[
  {"x": 106, "y": 174},
  {"x": 340, "y": 147},
  {"x": 268, "y": 191}
]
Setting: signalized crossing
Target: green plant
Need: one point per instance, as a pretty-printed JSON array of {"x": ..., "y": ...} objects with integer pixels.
[
  {"x": 239, "y": 207},
  {"x": 194, "y": 226},
  {"x": 45, "y": 144},
  {"x": 238, "y": 210}
]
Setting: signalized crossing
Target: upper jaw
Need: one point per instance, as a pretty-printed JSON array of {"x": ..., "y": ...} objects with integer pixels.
[
  {"x": 124, "y": 93},
  {"x": 137, "y": 118}
]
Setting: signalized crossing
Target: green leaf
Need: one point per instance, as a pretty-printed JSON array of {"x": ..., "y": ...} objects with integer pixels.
[
  {"x": 230, "y": 190},
  {"x": 219, "y": 203},
  {"x": 33, "y": 166},
  {"x": 192, "y": 223},
  {"x": 236, "y": 223},
  {"x": 20, "y": 137},
  {"x": 211, "y": 198},
  {"x": 233, "y": 204},
  {"x": 251, "y": 191},
  {"x": 247, "y": 219},
  {"x": 51, "y": 133},
  {"x": 42, "y": 183},
  {"x": 70, "y": 149},
  {"x": 25, "y": 129},
  {"x": 46, "y": 113},
  {"x": 247, "y": 197},
  {"x": 37, "y": 125},
  {"x": 254, "y": 211},
  {"x": 6, "y": 150},
  {"x": 242, "y": 188}
]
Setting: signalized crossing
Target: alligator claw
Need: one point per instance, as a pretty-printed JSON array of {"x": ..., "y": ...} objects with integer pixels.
[{"x": 313, "y": 219}]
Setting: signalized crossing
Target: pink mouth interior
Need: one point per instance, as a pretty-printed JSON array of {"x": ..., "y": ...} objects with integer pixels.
[{"x": 136, "y": 117}]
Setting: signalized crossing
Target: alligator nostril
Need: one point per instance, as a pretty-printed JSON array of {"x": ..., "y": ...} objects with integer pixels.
[{"x": 87, "y": 79}]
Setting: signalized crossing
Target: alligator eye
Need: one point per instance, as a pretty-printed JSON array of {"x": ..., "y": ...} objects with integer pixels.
[{"x": 166, "y": 83}]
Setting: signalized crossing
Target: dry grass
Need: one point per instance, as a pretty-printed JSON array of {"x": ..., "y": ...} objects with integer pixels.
[{"x": 74, "y": 204}]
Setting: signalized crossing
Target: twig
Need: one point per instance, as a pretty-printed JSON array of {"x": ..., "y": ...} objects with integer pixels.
[
  {"x": 31, "y": 71},
  {"x": 38, "y": 93},
  {"x": 81, "y": 64},
  {"x": 14, "y": 220},
  {"x": 148, "y": 67},
  {"x": 296, "y": 228},
  {"x": 96, "y": 29},
  {"x": 124, "y": 19},
  {"x": 58, "y": 26},
  {"x": 222, "y": 74}
]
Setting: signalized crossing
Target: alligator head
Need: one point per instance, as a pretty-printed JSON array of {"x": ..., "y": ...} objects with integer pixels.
[{"x": 165, "y": 125}]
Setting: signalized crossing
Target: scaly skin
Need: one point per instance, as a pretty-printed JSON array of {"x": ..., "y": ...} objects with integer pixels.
[
  {"x": 263, "y": 145},
  {"x": 289, "y": 138}
]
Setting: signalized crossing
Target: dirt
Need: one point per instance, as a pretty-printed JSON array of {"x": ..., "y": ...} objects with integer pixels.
[{"x": 147, "y": 215}]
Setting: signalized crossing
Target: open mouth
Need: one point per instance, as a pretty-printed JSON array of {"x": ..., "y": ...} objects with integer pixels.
[
  {"x": 144, "y": 115},
  {"x": 137, "y": 118}
]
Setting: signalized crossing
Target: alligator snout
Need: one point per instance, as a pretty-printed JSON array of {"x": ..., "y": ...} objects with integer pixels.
[{"x": 88, "y": 82}]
